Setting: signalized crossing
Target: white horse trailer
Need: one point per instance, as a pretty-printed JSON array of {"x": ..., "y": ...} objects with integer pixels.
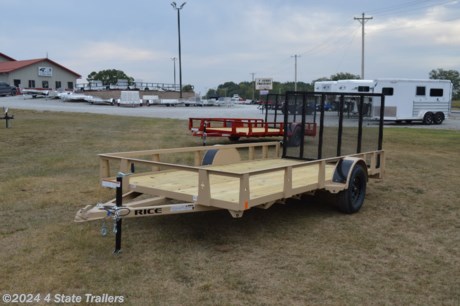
[{"x": 407, "y": 100}]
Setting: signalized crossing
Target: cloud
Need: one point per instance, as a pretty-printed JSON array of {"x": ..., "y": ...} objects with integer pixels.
[{"x": 114, "y": 51}]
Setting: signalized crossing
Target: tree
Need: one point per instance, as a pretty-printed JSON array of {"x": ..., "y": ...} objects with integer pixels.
[
  {"x": 109, "y": 76},
  {"x": 245, "y": 89},
  {"x": 452, "y": 75},
  {"x": 344, "y": 76},
  {"x": 339, "y": 76},
  {"x": 187, "y": 88}
]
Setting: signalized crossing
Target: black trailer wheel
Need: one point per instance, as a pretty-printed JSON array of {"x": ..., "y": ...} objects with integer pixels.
[
  {"x": 234, "y": 138},
  {"x": 428, "y": 119},
  {"x": 350, "y": 200},
  {"x": 438, "y": 118}
]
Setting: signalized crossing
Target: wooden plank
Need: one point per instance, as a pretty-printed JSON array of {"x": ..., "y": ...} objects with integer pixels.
[
  {"x": 221, "y": 188},
  {"x": 243, "y": 130}
]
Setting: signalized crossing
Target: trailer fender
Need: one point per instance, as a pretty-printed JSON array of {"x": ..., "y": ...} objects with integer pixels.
[
  {"x": 344, "y": 169},
  {"x": 221, "y": 157}
]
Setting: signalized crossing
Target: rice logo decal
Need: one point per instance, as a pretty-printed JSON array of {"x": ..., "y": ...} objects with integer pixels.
[{"x": 148, "y": 211}]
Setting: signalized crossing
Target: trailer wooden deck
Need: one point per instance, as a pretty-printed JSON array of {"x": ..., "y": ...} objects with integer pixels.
[
  {"x": 265, "y": 182},
  {"x": 246, "y": 131},
  {"x": 261, "y": 179}
]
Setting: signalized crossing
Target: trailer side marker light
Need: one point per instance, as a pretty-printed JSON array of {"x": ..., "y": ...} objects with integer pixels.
[{"x": 246, "y": 205}]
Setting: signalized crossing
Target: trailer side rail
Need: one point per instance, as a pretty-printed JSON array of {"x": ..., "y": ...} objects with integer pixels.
[
  {"x": 234, "y": 127},
  {"x": 229, "y": 186}
]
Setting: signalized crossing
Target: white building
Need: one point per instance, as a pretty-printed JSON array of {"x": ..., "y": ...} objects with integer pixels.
[{"x": 36, "y": 73}]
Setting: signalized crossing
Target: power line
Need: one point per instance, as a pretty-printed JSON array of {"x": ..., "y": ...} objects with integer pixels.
[
  {"x": 340, "y": 37},
  {"x": 408, "y": 7}
]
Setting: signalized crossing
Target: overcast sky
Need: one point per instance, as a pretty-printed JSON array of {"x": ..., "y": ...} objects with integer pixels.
[{"x": 229, "y": 40}]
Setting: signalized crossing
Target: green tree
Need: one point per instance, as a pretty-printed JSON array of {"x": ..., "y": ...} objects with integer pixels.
[
  {"x": 338, "y": 76},
  {"x": 227, "y": 89},
  {"x": 187, "y": 88},
  {"x": 344, "y": 76},
  {"x": 245, "y": 89},
  {"x": 452, "y": 75},
  {"x": 109, "y": 76}
]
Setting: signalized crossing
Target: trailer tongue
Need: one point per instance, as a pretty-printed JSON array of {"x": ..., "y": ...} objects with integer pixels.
[{"x": 239, "y": 177}]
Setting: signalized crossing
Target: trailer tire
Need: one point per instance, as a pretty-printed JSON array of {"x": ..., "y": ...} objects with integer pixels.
[
  {"x": 428, "y": 119},
  {"x": 234, "y": 138},
  {"x": 351, "y": 200},
  {"x": 438, "y": 118}
]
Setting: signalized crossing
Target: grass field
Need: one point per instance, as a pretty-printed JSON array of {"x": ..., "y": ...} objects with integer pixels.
[
  {"x": 402, "y": 248},
  {"x": 456, "y": 104}
]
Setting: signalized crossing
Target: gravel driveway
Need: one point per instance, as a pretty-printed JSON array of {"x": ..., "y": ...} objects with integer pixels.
[{"x": 178, "y": 112}]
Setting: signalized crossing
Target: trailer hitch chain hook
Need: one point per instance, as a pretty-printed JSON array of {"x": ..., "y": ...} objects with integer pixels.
[{"x": 104, "y": 229}]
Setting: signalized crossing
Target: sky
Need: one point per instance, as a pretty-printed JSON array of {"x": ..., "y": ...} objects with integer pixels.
[{"x": 235, "y": 40}]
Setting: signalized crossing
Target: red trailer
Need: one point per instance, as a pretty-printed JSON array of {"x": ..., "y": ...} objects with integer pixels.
[{"x": 235, "y": 128}]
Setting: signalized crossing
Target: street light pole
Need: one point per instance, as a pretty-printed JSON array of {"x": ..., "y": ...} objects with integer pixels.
[
  {"x": 178, "y": 8},
  {"x": 295, "y": 56},
  {"x": 174, "y": 60},
  {"x": 253, "y": 86}
]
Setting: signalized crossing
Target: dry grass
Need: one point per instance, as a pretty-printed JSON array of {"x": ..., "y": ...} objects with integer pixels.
[
  {"x": 401, "y": 248},
  {"x": 456, "y": 104}
]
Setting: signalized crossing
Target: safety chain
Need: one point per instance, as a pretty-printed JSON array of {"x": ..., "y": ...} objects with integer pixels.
[{"x": 113, "y": 212}]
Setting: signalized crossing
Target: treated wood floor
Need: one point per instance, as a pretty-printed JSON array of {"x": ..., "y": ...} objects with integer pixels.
[
  {"x": 243, "y": 130},
  {"x": 226, "y": 188}
]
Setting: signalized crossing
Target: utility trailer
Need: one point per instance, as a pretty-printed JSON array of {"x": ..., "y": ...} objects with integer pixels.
[
  {"x": 233, "y": 128},
  {"x": 129, "y": 98},
  {"x": 239, "y": 177},
  {"x": 406, "y": 100},
  {"x": 272, "y": 126}
]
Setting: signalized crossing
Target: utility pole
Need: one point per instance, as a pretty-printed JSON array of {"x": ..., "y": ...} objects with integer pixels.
[
  {"x": 363, "y": 21},
  {"x": 253, "y": 86},
  {"x": 295, "y": 56}
]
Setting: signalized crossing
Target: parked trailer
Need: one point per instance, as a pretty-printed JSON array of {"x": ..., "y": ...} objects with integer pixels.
[
  {"x": 151, "y": 100},
  {"x": 272, "y": 126},
  {"x": 129, "y": 98},
  {"x": 239, "y": 177},
  {"x": 406, "y": 100}
]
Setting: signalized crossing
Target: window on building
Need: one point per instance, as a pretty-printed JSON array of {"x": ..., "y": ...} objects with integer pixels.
[
  {"x": 420, "y": 91},
  {"x": 45, "y": 84},
  {"x": 387, "y": 91},
  {"x": 17, "y": 83},
  {"x": 436, "y": 92},
  {"x": 31, "y": 83},
  {"x": 58, "y": 84},
  {"x": 70, "y": 85},
  {"x": 363, "y": 88}
]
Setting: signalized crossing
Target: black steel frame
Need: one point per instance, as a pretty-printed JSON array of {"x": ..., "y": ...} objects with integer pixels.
[{"x": 302, "y": 97}]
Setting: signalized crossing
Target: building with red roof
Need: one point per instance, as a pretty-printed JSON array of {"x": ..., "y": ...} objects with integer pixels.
[{"x": 36, "y": 73}]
